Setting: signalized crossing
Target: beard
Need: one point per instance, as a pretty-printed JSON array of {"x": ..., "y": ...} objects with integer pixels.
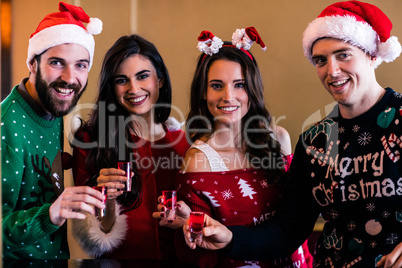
[{"x": 56, "y": 106}]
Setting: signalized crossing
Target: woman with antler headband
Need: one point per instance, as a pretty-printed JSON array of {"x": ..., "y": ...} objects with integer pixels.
[{"x": 233, "y": 171}]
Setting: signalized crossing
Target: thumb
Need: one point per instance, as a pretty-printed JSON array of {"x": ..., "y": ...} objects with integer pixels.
[
  {"x": 183, "y": 210},
  {"x": 209, "y": 231},
  {"x": 209, "y": 226}
]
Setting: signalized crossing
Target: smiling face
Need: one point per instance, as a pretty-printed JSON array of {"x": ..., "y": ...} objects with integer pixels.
[
  {"x": 226, "y": 96},
  {"x": 61, "y": 75},
  {"x": 346, "y": 71},
  {"x": 136, "y": 85}
]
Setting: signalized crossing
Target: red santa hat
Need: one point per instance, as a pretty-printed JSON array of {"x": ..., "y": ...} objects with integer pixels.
[
  {"x": 244, "y": 38},
  {"x": 208, "y": 43},
  {"x": 65, "y": 27},
  {"x": 360, "y": 24}
]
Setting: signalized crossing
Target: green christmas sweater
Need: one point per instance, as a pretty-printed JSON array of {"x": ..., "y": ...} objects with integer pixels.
[{"x": 32, "y": 178}]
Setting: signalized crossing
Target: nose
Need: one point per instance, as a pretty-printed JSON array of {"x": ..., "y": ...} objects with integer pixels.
[
  {"x": 68, "y": 75},
  {"x": 228, "y": 93},
  {"x": 134, "y": 86},
  {"x": 333, "y": 67}
]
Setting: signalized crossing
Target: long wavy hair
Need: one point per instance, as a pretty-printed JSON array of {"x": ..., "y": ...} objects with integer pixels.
[
  {"x": 200, "y": 122},
  {"x": 116, "y": 120}
]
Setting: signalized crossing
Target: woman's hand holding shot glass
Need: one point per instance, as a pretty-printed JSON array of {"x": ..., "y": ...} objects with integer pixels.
[
  {"x": 115, "y": 180},
  {"x": 214, "y": 236},
  {"x": 182, "y": 213}
]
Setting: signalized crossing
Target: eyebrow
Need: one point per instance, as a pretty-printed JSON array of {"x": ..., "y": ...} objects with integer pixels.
[
  {"x": 143, "y": 71},
  {"x": 63, "y": 60},
  {"x": 139, "y": 73},
  {"x": 84, "y": 60},
  {"x": 235, "y": 81},
  {"x": 333, "y": 52},
  {"x": 341, "y": 50}
]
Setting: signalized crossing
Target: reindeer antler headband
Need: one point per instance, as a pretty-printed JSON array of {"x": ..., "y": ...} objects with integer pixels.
[{"x": 242, "y": 39}]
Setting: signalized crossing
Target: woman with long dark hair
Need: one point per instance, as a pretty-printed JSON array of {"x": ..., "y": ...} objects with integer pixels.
[
  {"x": 130, "y": 122},
  {"x": 234, "y": 168}
]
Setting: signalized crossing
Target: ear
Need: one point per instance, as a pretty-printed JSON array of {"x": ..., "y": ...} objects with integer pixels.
[
  {"x": 373, "y": 60},
  {"x": 161, "y": 82},
  {"x": 33, "y": 66},
  {"x": 204, "y": 95}
]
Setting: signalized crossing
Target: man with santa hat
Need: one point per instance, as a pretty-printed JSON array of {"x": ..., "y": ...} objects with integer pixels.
[{"x": 35, "y": 205}]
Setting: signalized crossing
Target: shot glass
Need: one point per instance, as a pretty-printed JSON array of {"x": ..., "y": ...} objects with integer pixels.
[
  {"x": 100, "y": 213},
  {"x": 196, "y": 225},
  {"x": 169, "y": 201},
  {"x": 126, "y": 166}
]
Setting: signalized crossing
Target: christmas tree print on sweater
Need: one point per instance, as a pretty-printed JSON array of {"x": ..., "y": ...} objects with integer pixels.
[
  {"x": 246, "y": 189},
  {"x": 212, "y": 199}
]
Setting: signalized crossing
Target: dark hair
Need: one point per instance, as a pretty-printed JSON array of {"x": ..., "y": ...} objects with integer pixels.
[
  {"x": 108, "y": 152},
  {"x": 125, "y": 47},
  {"x": 257, "y": 116}
]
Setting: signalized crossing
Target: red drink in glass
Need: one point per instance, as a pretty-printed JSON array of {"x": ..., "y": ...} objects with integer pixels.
[{"x": 196, "y": 225}]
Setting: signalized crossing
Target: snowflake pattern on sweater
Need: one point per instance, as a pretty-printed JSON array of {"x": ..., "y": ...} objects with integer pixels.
[
  {"x": 236, "y": 197},
  {"x": 354, "y": 168},
  {"x": 32, "y": 178}
]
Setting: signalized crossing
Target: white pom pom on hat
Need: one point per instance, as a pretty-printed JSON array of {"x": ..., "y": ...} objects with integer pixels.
[
  {"x": 94, "y": 26},
  {"x": 65, "y": 27},
  {"x": 360, "y": 24}
]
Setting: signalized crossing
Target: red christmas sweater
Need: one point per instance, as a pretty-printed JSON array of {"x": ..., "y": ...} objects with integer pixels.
[
  {"x": 158, "y": 163},
  {"x": 236, "y": 197}
]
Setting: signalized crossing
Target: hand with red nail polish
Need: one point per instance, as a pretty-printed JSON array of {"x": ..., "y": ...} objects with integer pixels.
[{"x": 182, "y": 214}]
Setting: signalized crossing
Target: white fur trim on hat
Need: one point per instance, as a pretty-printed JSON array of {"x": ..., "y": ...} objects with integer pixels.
[
  {"x": 93, "y": 240},
  {"x": 241, "y": 40},
  {"x": 389, "y": 50},
  {"x": 58, "y": 35},
  {"x": 173, "y": 124},
  {"x": 210, "y": 46},
  {"x": 357, "y": 33}
]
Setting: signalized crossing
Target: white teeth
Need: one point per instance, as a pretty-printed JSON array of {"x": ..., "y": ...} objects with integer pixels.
[
  {"x": 229, "y": 109},
  {"x": 339, "y": 83},
  {"x": 65, "y": 91},
  {"x": 139, "y": 99}
]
